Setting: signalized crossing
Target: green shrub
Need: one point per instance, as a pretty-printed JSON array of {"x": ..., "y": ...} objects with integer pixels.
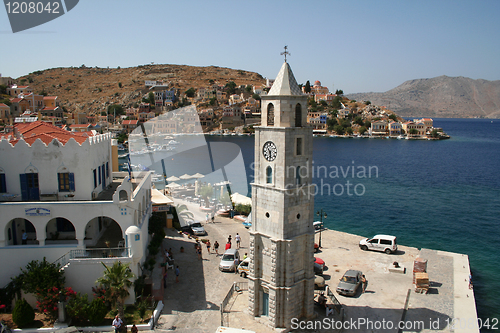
[
  {"x": 23, "y": 314},
  {"x": 97, "y": 311},
  {"x": 78, "y": 308}
]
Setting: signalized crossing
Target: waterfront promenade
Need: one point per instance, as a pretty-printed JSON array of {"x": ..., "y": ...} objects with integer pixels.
[{"x": 193, "y": 304}]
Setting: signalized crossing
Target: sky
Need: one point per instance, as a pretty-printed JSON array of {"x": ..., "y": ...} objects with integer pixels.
[{"x": 355, "y": 45}]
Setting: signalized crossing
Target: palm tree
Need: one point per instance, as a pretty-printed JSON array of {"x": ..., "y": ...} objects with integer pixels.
[
  {"x": 116, "y": 280},
  {"x": 182, "y": 211}
]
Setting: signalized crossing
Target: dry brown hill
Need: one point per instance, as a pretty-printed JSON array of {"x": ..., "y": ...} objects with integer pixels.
[
  {"x": 92, "y": 89},
  {"x": 443, "y": 96}
]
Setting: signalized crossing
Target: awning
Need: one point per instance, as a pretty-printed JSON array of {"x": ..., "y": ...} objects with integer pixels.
[
  {"x": 241, "y": 199},
  {"x": 159, "y": 199}
]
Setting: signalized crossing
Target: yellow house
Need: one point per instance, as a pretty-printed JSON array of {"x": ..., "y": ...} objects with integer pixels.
[
  {"x": 4, "y": 113},
  {"x": 51, "y": 101}
]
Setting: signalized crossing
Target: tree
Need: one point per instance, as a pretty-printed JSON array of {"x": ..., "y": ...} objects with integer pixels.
[
  {"x": 358, "y": 120},
  {"x": 434, "y": 133},
  {"x": 23, "y": 314},
  {"x": 213, "y": 101},
  {"x": 368, "y": 102},
  {"x": 368, "y": 124},
  {"x": 413, "y": 131},
  {"x": 151, "y": 98},
  {"x": 42, "y": 275},
  {"x": 206, "y": 193},
  {"x": 230, "y": 87},
  {"x": 307, "y": 87},
  {"x": 337, "y": 102},
  {"x": 190, "y": 92},
  {"x": 362, "y": 130},
  {"x": 256, "y": 96},
  {"x": 339, "y": 92},
  {"x": 393, "y": 117},
  {"x": 116, "y": 109},
  {"x": 349, "y": 130},
  {"x": 248, "y": 88},
  {"x": 338, "y": 129},
  {"x": 3, "y": 89},
  {"x": 323, "y": 102},
  {"x": 117, "y": 280}
]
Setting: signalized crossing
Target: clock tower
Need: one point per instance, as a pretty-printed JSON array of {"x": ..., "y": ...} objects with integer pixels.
[{"x": 281, "y": 279}]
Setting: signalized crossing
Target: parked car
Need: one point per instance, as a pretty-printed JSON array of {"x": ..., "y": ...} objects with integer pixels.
[
  {"x": 382, "y": 243},
  {"x": 227, "y": 260},
  {"x": 317, "y": 225},
  {"x": 243, "y": 268},
  {"x": 349, "y": 283},
  {"x": 197, "y": 228},
  {"x": 319, "y": 282},
  {"x": 187, "y": 229},
  {"x": 318, "y": 269}
]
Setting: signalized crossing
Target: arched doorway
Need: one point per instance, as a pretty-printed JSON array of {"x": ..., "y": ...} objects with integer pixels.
[
  {"x": 16, "y": 228},
  {"x": 60, "y": 230},
  {"x": 103, "y": 232}
]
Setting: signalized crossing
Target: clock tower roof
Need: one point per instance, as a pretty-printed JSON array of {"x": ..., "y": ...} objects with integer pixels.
[{"x": 285, "y": 83}]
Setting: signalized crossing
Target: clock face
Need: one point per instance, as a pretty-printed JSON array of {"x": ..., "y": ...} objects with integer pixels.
[{"x": 269, "y": 150}]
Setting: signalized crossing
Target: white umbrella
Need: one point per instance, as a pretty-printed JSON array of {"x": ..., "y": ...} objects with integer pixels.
[
  {"x": 185, "y": 176},
  {"x": 173, "y": 185},
  {"x": 197, "y": 175},
  {"x": 172, "y": 179}
]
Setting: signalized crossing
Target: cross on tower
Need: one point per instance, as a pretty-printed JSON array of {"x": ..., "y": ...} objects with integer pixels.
[{"x": 286, "y": 52}]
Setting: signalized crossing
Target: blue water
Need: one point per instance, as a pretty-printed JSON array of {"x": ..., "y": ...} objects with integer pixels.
[{"x": 442, "y": 195}]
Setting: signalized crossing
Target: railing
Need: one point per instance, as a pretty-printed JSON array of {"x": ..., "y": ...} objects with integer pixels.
[
  {"x": 236, "y": 287},
  {"x": 91, "y": 253}
]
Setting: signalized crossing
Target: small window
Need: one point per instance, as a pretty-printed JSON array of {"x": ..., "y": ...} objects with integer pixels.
[
  {"x": 3, "y": 184},
  {"x": 297, "y": 176},
  {"x": 385, "y": 242},
  {"x": 298, "y": 115},
  {"x": 298, "y": 149},
  {"x": 95, "y": 178},
  {"x": 270, "y": 114},
  {"x": 63, "y": 179},
  {"x": 269, "y": 175},
  {"x": 99, "y": 174}
]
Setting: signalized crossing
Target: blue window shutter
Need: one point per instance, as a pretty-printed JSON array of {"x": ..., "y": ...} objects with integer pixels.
[
  {"x": 71, "y": 181},
  {"x": 3, "y": 185},
  {"x": 99, "y": 173},
  {"x": 24, "y": 186}
]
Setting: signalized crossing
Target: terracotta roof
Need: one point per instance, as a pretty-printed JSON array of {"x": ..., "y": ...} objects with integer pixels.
[
  {"x": 47, "y": 108},
  {"x": 3, "y": 105},
  {"x": 46, "y": 132},
  {"x": 16, "y": 100},
  {"x": 49, "y": 97},
  {"x": 130, "y": 122}
]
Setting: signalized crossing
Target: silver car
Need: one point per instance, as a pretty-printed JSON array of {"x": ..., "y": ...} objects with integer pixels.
[
  {"x": 229, "y": 260},
  {"x": 349, "y": 283}
]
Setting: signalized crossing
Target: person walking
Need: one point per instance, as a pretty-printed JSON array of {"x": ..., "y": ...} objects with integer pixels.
[
  {"x": 228, "y": 245},
  {"x": 207, "y": 217},
  {"x": 208, "y": 246},
  {"x": 229, "y": 239},
  {"x": 213, "y": 218},
  {"x": 177, "y": 273},
  {"x": 216, "y": 247},
  {"x": 238, "y": 240},
  {"x": 117, "y": 324},
  {"x": 364, "y": 282},
  {"x": 134, "y": 329}
]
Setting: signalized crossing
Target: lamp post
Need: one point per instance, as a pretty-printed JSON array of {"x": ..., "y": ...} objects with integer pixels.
[{"x": 321, "y": 215}]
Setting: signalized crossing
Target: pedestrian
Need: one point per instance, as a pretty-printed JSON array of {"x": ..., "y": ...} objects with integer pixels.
[
  {"x": 236, "y": 263},
  {"x": 213, "y": 218},
  {"x": 470, "y": 281},
  {"x": 165, "y": 279},
  {"x": 207, "y": 217},
  {"x": 24, "y": 238},
  {"x": 199, "y": 252},
  {"x": 245, "y": 256},
  {"x": 177, "y": 273},
  {"x": 229, "y": 239},
  {"x": 238, "y": 240},
  {"x": 216, "y": 247},
  {"x": 208, "y": 246},
  {"x": 134, "y": 329},
  {"x": 364, "y": 282},
  {"x": 228, "y": 245},
  {"x": 117, "y": 323}
]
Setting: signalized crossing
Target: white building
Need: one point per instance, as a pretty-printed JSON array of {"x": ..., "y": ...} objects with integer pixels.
[{"x": 57, "y": 187}]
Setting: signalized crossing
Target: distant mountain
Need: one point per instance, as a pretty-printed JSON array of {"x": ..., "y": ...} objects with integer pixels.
[{"x": 443, "y": 96}]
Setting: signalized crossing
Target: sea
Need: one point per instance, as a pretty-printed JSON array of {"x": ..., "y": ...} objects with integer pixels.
[{"x": 442, "y": 195}]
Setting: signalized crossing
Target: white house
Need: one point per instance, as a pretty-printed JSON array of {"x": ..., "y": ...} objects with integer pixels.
[{"x": 59, "y": 199}]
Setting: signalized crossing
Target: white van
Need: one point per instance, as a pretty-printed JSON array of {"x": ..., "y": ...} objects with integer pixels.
[
  {"x": 382, "y": 243},
  {"x": 227, "y": 262}
]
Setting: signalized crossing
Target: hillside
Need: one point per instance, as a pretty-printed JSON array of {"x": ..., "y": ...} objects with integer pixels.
[
  {"x": 443, "y": 96},
  {"x": 92, "y": 89}
]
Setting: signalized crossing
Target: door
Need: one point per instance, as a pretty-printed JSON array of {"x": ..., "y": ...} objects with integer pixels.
[
  {"x": 29, "y": 187},
  {"x": 265, "y": 303},
  {"x": 373, "y": 244}
]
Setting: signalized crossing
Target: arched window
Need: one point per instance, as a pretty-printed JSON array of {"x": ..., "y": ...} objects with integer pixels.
[
  {"x": 269, "y": 175},
  {"x": 270, "y": 114},
  {"x": 123, "y": 196},
  {"x": 298, "y": 115}
]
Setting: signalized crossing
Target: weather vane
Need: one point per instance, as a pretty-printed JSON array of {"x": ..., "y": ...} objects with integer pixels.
[{"x": 286, "y": 52}]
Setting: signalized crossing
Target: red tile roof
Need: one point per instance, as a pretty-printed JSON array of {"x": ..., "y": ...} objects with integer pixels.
[
  {"x": 49, "y": 97},
  {"x": 130, "y": 122},
  {"x": 3, "y": 105},
  {"x": 46, "y": 132},
  {"x": 16, "y": 100}
]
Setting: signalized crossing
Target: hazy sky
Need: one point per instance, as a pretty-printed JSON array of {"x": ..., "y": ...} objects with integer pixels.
[{"x": 356, "y": 46}]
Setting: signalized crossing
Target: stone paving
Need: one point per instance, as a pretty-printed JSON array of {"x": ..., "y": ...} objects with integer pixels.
[{"x": 192, "y": 305}]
